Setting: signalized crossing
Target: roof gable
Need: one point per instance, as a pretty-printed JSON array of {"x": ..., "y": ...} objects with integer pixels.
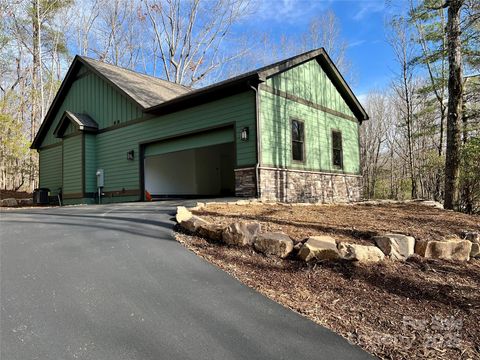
[
  {"x": 309, "y": 82},
  {"x": 144, "y": 91},
  {"x": 82, "y": 122}
]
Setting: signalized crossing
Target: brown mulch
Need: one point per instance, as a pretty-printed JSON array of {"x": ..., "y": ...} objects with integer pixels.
[
  {"x": 419, "y": 309},
  {"x": 9, "y": 194}
]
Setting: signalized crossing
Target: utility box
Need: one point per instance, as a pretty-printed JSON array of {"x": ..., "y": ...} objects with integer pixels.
[{"x": 100, "y": 178}]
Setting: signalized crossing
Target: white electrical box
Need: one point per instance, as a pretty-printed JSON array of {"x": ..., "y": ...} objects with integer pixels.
[{"x": 100, "y": 178}]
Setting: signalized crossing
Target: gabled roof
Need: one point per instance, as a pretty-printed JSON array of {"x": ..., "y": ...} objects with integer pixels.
[
  {"x": 146, "y": 91},
  {"x": 157, "y": 96},
  {"x": 82, "y": 122},
  {"x": 262, "y": 74}
]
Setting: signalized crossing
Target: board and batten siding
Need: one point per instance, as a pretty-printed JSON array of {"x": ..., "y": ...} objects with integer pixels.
[
  {"x": 72, "y": 165},
  {"x": 90, "y": 163},
  {"x": 50, "y": 164},
  {"x": 91, "y": 95},
  {"x": 309, "y": 83},
  {"x": 112, "y": 146}
]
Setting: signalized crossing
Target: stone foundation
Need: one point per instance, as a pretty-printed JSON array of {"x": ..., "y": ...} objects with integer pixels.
[
  {"x": 245, "y": 184},
  {"x": 291, "y": 186}
]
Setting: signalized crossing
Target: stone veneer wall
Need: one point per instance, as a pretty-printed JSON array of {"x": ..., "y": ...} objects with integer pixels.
[
  {"x": 307, "y": 186},
  {"x": 245, "y": 185}
]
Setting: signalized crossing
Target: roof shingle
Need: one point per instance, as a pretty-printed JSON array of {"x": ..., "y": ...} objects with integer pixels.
[{"x": 146, "y": 90}]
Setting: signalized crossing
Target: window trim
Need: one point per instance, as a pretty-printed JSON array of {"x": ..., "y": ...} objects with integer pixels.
[
  {"x": 304, "y": 153},
  {"x": 333, "y": 149}
]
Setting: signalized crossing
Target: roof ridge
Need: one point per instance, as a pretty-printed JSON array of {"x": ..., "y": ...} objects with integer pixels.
[{"x": 133, "y": 71}]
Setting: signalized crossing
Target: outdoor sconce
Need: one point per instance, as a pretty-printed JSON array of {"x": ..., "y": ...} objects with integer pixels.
[
  {"x": 244, "y": 134},
  {"x": 130, "y": 155}
]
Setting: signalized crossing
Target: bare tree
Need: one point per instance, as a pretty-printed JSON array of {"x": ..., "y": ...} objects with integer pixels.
[
  {"x": 403, "y": 87},
  {"x": 373, "y": 138},
  {"x": 189, "y": 35}
]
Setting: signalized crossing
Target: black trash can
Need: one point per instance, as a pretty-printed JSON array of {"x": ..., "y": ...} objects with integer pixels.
[{"x": 40, "y": 196}]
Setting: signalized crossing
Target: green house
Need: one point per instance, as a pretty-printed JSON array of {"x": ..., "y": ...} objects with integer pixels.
[{"x": 287, "y": 132}]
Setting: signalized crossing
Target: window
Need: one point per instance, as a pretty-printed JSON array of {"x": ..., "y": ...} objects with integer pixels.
[
  {"x": 297, "y": 140},
  {"x": 337, "y": 150}
]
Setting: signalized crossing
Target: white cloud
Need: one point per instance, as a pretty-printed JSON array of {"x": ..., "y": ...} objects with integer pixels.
[
  {"x": 368, "y": 7},
  {"x": 356, "y": 43},
  {"x": 289, "y": 10}
]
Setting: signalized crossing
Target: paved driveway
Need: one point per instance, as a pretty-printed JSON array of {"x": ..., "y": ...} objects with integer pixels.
[{"x": 110, "y": 282}]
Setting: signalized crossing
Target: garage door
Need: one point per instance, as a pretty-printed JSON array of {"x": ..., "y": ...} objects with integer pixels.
[
  {"x": 190, "y": 142},
  {"x": 196, "y": 165}
]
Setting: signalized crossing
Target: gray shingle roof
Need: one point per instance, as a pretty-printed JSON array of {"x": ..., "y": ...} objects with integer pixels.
[
  {"x": 82, "y": 121},
  {"x": 146, "y": 90}
]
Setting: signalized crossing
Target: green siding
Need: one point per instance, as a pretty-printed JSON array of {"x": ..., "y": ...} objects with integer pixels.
[
  {"x": 90, "y": 163},
  {"x": 51, "y": 168},
  {"x": 308, "y": 82},
  {"x": 190, "y": 142},
  {"x": 93, "y": 96},
  {"x": 72, "y": 165},
  {"x": 112, "y": 146}
]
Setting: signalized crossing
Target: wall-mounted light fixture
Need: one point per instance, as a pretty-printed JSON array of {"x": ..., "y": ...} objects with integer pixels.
[
  {"x": 130, "y": 155},
  {"x": 244, "y": 134}
]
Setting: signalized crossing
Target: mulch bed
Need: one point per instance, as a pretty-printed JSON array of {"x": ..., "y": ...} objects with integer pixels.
[{"x": 418, "y": 309}]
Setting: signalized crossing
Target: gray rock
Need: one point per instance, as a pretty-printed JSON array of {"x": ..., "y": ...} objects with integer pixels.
[
  {"x": 9, "y": 202},
  {"x": 274, "y": 243},
  {"x": 475, "y": 252},
  {"x": 319, "y": 248},
  {"x": 211, "y": 231},
  {"x": 240, "y": 234},
  {"x": 360, "y": 253},
  {"x": 25, "y": 202},
  {"x": 396, "y": 246},
  {"x": 193, "y": 223},
  {"x": 472, "y": 236},
  {"x": 432, "y": 203}
]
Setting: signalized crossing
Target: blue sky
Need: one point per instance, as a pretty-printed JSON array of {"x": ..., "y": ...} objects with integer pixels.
[{"x": 362, "y": 26}]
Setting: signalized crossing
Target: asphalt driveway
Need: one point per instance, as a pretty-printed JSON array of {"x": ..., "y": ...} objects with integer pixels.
[{"x": 110, "y": 282}]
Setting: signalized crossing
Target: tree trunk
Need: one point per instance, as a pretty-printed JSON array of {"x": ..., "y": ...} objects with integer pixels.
[{"x": 455, "y": 97}]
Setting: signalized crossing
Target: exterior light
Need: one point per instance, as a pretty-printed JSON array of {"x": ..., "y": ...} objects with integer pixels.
[
  {"x": 130, "y": 155},
  {"x": 244, "y": 134}
]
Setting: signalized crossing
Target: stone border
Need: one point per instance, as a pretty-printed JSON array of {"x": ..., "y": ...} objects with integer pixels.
[
  {"x": 323, "y": 247},
  {"x": 12, "y": 202}
]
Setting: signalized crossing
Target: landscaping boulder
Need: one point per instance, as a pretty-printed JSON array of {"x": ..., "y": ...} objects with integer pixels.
[
  {"x": 25, "y": 202},
  {"x": 475, "y": 252},
  {"x": 421, "y": 247},
  {"x": 240, "y": 233},
  {"x": 396, "y": 246},
  {"x": 211, "y": 231},
  {"x": 472, "y": 236},
  {"x": 446, "y": 250},
  {"x": 193, "y": 223},
  {"x": 182, "y": 214},
  {"x": 274, "y": 243},
  {"x": 432, "y": 203},
  {"x": 319, "y": 248},
  {"x": 8, "y": 202},
  {"x": 360, "y": 253}
]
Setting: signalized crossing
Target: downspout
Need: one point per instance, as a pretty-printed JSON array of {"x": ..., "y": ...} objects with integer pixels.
[{"x": 257, "y": 136}]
